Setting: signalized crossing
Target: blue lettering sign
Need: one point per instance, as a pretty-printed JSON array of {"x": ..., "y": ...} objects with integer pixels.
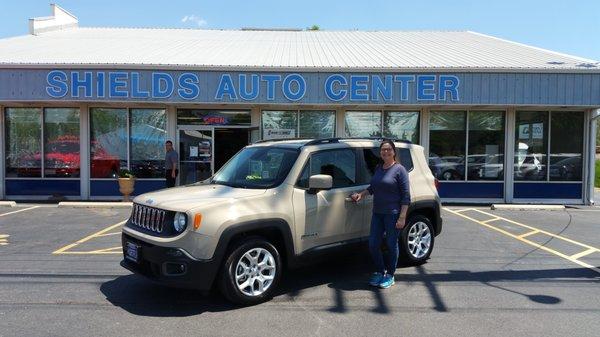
[
  {"x": 404, "y": 85},
  {"x": 358, "y": 88},
  {"x": 189, "y": 86},
  {"x": 271, "y": 79},
  {"x": 117, "y": 82},
  {"x": 77, "y": 83},
  {"x": 57, "y": 84},
  {"x": 100, "y": 87},
  {"x": 226, "y": 88},
  {"x": 254, "y": 87},
  {"x": 162, "y": 85},
  {"x": 300, "y": 84},
  {"x": 331, "y": 92},
  {"x": 379, "y": 88},
  {"x": 448, "y": 84},
  {"x": 426, "y": 87},
  {"x": 136, "y": 91}
]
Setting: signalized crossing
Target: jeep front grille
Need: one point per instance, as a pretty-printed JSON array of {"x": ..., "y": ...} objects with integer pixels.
[{"x": 149, "y": 218}]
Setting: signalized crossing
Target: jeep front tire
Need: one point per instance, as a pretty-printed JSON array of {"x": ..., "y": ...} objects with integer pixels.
[{"x": 251, "y": 272}]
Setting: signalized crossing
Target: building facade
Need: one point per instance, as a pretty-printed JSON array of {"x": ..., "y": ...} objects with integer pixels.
[{"x": 500, "y": 121}]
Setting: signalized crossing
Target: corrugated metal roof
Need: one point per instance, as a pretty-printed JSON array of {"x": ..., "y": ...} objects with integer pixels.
[{"x": 283, "y": 50}]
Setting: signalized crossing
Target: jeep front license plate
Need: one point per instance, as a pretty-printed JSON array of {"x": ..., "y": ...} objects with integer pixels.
[{"x": 132, "y": 252}]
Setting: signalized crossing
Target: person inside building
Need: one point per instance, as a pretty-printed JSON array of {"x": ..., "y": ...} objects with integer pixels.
[{"x": 171, "y": 162}]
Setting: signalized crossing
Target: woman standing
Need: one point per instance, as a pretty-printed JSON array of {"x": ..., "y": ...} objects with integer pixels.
[{"x": 391, "y": 196}]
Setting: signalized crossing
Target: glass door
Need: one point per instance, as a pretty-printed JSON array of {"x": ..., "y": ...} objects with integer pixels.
[{"x": 196, "y": 153}]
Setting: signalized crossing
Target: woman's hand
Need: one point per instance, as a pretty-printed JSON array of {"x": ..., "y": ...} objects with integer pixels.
[
  {"x": 356, "y": 197},
  {"x": 401, "y": 222}
]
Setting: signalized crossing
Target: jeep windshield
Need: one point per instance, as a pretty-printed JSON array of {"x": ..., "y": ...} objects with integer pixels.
[{"x": 259, "y": 167}]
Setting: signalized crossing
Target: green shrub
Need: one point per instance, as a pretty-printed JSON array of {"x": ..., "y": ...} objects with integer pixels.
[{"x": 125, "y": 173}]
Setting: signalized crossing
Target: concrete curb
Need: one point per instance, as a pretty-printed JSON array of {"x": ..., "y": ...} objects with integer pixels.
[
  {"x": 515, "y": 207},
  {"x": 83, "y": 204},
  {"x": 8, "y": 204}
]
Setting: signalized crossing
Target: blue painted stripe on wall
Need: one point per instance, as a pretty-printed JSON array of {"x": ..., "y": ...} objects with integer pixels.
[
  {"x": 475, "y": 88},
  {"x": 547, "y": 191},
  {"x": 471, "y": 190},
  {"x": 109, "y": 188},
  {"x": 43, "y": 187}
]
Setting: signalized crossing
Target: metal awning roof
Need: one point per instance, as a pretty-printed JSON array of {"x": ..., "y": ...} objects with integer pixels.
[{"x": 398, "y": 51}]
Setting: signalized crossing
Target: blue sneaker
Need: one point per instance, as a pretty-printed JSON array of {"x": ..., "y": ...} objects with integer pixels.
[
  {"x": 387, "y": 281},
  {"x": 376, "y": 279}
]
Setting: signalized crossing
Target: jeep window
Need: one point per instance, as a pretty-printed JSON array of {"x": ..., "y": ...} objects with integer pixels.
[
  {"x": 257, "y": 167},
  {"x": 339, "y": 164},
  {"x": 373, "y": 158}
]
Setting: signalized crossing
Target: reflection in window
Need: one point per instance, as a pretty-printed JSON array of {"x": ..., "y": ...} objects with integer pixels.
[
  {"x": 339, "y": 164},
  {"x": 447, "y": 145},
  {"x": 23, "y": 142},
  {"x": 566, "y": 146},
  {"x": 212, "y": 117},
  {"x": 108, "y": 138},
  {"x": 486, "y": 146},
  {"x": 61, "y": 142},
  {"x": 148, "y": 136},
  {"x": 363, "y": 124},
  {"x": 401, "y": 125},
  {"x": 279, "y": 124},
  {"x": 372, "y": 158},
  {"x": 531, "y": 145},
  {"x": 317, "y": 124}
]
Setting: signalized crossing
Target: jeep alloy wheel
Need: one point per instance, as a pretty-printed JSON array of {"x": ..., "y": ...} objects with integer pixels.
[{"x": 251, "y": 271}]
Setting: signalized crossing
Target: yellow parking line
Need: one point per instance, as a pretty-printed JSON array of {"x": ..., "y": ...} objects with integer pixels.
[
  {"x": 584, "y": 253},
  {"x": 463, "y": 210},
  {"x": 21, "y": 210},
  {"x": 4, "y": 239},
  {"x": 64, "y": 250},
  {"x": 528, "y": 233},
  {"x": 109, "y": 234},
  {"x": 541, "y": 231},
  {"x": 549, "y": 250},
  {"x": 490, "y": 220}
]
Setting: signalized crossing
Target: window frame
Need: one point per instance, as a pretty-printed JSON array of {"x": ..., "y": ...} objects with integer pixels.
[
  {"x": 382, "y": 115},
  {"x": 297, "y": 113},
  {"x": 41, "y": 141},
  {"x": 357, "y": 173}
]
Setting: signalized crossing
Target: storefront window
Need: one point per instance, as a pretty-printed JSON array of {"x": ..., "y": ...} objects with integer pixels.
[
  {"x": 147, "y": 140},
  {"x": 531, "y": 145},
  {"x": 401, "y": 125},
  {"x": 61, "y": 142},
  {"x": 212, "y": 117},
  {"x": 23, "y": 142},
  {"x": 279, "y": 124},
  {"x": 108, "y": 137},
  {"x": 447, "y": 137},
  {"x": 565, "y": 146},
  {"x": 317, "y": 124},
  {"x": 486, "y": 145},
  {"x": 363, "y": 123}
]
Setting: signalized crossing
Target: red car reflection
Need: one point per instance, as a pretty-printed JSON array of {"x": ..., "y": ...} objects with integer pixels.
[{"x": 62, "y": 159}]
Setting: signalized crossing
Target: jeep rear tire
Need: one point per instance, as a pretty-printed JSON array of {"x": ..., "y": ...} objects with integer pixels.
[
  {"x": 251, "y": 272},
  {"x": 416, "y": 240}
]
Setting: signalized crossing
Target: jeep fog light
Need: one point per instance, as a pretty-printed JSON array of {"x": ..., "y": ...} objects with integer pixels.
[{"x": 179, "y": 222}]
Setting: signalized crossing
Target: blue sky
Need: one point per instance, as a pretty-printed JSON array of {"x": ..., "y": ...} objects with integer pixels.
[{"x": 571, "y": 27}]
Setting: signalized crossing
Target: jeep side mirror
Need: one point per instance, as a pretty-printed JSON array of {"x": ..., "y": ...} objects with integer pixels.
[{"x": 319, "y": 182}]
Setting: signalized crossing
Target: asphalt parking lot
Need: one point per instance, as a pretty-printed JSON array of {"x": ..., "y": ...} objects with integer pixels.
[{"x": 494, "y": 273}]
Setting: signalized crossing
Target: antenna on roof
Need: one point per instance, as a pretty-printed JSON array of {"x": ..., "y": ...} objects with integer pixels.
[{"x": 60, "y": 19}]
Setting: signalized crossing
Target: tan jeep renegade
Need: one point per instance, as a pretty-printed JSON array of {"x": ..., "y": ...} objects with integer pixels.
[{"x": 271, "y": 206}]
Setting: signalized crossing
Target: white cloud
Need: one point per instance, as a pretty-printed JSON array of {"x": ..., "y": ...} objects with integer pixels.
[{"x": 200, "y": 22}]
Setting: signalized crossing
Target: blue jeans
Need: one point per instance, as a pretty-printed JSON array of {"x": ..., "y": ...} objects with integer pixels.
[{"x": 384, "y": 223}]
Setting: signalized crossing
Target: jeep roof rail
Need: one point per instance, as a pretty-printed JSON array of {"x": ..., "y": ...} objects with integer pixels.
[
  {"x": 280, "y": 140},
  {"x": 395, "y": 140},
  {"x": 323, "y": 141}
]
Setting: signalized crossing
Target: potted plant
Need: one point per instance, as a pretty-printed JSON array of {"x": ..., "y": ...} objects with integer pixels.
[{"x": 126, "y": 183}]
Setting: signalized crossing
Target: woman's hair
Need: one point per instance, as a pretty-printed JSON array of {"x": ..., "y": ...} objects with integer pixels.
[{"x": 388, "y": 141}]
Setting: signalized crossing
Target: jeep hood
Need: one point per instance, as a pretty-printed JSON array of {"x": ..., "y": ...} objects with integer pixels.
[{"x": 191, "y": 196}]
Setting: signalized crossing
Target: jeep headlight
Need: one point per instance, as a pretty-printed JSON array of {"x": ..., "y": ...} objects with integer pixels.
[{"x": 179, "y": 222}]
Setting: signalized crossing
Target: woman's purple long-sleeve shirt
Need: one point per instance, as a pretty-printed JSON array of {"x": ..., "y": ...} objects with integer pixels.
[{"x": 390, "y": 189}]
